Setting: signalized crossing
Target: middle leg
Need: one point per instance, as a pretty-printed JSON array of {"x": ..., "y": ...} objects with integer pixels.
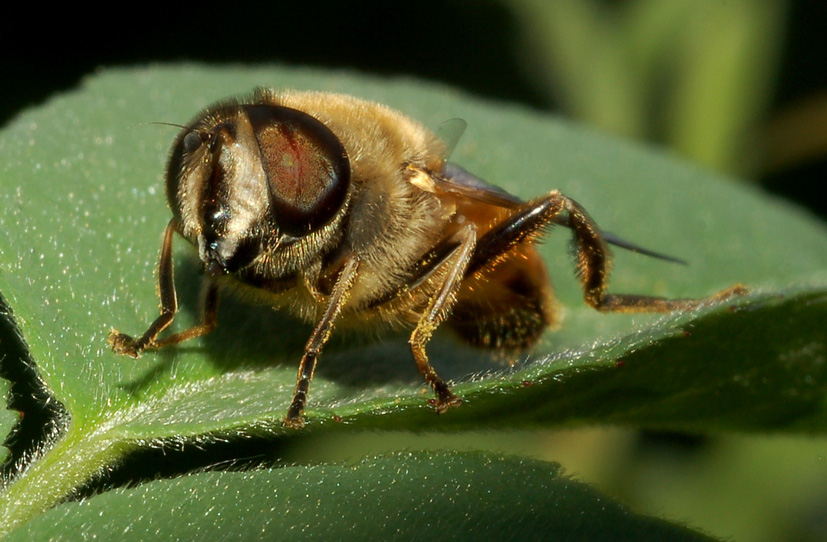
[{"x": 438, "y": 309}]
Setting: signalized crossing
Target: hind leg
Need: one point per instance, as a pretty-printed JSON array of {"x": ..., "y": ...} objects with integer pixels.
[
  {"x": 594, "y": 262},
  {"x": 527, "y": 223}
]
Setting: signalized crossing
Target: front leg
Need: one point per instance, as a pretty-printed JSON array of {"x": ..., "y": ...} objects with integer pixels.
[
  {"x": 122, "y": 343},
  {"x": 338, "y": 298}
]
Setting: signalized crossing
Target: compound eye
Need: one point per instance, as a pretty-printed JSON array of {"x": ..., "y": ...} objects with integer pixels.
[{"x": 307, "y": 168}]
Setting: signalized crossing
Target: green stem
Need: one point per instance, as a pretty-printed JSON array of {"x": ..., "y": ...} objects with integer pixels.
[{"x": 52, "y": 477}]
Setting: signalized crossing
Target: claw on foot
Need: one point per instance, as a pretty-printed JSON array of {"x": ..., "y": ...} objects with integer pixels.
[
  {"x": 123, "y": 344},
  {"x": 733, "y": 291},
  {"x": 443, "y": 404},
  {"x": 293, "y": 422}
]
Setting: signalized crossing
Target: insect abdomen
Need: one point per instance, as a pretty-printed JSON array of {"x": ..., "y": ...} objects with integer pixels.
[{"x": 509, "y": 307}]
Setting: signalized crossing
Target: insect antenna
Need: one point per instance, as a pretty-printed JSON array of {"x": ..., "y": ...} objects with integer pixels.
[{"x": 158, "y": 123}]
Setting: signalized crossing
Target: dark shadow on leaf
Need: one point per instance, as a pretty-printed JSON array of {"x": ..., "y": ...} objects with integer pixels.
[
  {"x": 162, "y": 365},
  {"x": 42, "y": 417}
]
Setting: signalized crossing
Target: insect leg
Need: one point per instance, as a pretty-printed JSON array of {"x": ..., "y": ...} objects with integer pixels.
[
  {"x": 125, "y": 344},
  {"x": 593, "y": 257},
  {"x": 209, "y": 320},
  {"x": 437, "y": 310},
  {"x": 307, "y": 366}
]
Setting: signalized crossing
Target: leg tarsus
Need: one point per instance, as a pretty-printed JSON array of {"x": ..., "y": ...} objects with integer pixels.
[
  {"x": 296, "y": 422},
  {"x": 736, "y": 290},
  {"x": 294, "y": 419},
  {"x": 209, "y": 320},
  {"x": 127, "y": 345},
  {"x": 639, "y": 303},
  {"x": 445, "y": 398},
  {"x": 123, "y": 344}
]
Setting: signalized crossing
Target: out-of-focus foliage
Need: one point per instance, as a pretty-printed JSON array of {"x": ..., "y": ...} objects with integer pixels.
[{"x": 696, "y": 75}]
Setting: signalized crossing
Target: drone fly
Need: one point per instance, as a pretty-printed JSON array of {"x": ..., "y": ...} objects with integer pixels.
[{"x": 347, "y": 213}]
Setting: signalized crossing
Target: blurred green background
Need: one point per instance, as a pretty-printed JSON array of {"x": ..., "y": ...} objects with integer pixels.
[{"x": 739, "y": 86}]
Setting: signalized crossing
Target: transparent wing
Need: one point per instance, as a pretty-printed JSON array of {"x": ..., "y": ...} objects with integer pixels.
[
  {"x": 454, "y": 179},
  {"x": 450, "y": 132}
]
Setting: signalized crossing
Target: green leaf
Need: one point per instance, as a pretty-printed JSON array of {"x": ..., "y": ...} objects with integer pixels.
[
  {"x": 83, "y": 201},
  {"x": 412, "y": 496}
]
